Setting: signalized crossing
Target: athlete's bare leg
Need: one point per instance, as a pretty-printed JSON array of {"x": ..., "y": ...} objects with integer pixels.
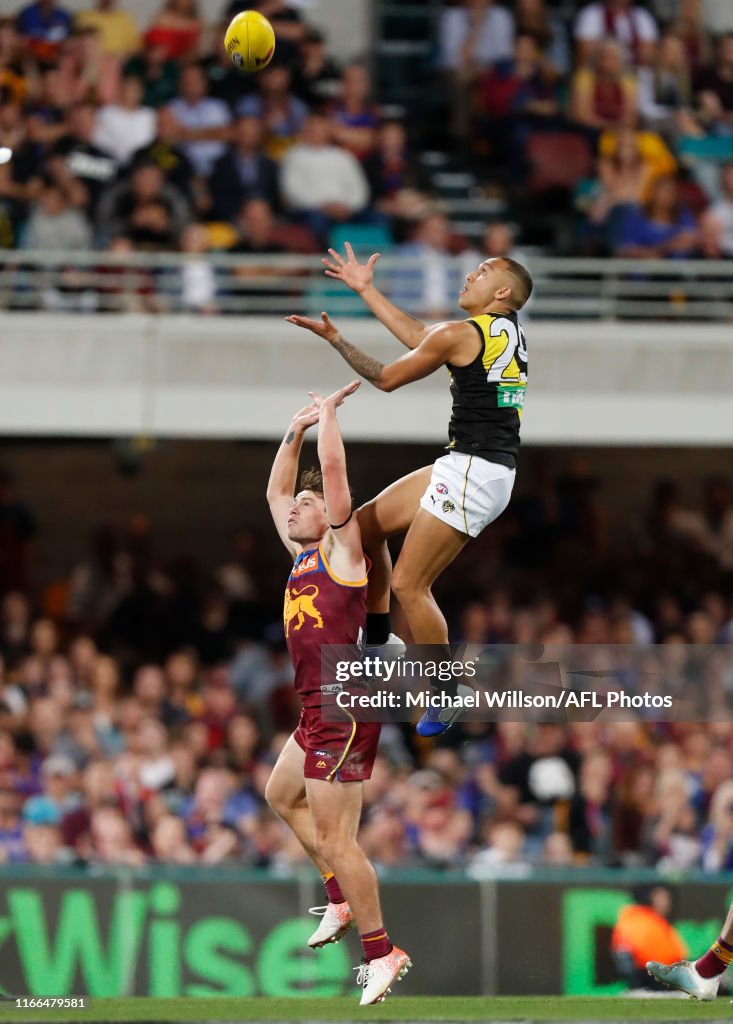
[
  {"x": 389, "y": 513},
  {"x": 429, "y": 548},
  {"x": 285, "y": 793},
  {"x": 336, "y": 810}
]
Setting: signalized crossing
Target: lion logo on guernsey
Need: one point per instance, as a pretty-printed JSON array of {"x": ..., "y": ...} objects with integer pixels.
[{"x": 300, "y": 605}]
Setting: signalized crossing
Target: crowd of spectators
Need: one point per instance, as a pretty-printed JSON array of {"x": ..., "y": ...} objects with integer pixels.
[
  {"x": 119, "y": 137},
  {"x": 143, "y": 701}
]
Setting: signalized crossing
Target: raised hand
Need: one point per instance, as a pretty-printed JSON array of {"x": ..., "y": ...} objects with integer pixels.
[
  {"x": 358, "y": 276},
  {"x": 306, "y": 417},
  {"x": 337, "y": 398},
  {"x": 324, "y": 328}
]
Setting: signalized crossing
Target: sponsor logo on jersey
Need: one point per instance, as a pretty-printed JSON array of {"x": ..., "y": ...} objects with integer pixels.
[
  {"x": 323, "y": 753},
  {"x": 300, "y": 607},
  {"x": 321, "y": 764},
  {"x": 441, "y": 488},
  {"x": 448, "y": 506},
  {"x": 331, "y": 688},
  {"x": 308, "y": 564}
]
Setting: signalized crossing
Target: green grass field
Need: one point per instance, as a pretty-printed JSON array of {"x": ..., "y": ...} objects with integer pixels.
[{"x": 424, "y": 1008}]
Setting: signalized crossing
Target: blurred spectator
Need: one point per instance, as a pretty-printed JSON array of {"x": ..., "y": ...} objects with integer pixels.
[
  {"x": 87, "y": 163},
  {"x": 165, "y": 152},
  {"x": 146, "y": 209},
  {"x": 516, "y": 99},
  {"x": 281, "y": 113},
  {"x": 58, "y": 779},
  {"x": 125, "y": 127},
  {"x": 169, "y": 842},
  {"x": 604, "y": 92},
  {"x": 243, "y": 172},
  {"x": 426, "y": 281},
  {"x": 236, "y": 577},
  {"x": 175, "y": 30},
  {"x": 354, "y": 118},
  {"x": 714, "y": 87},
  {"x": 54, "y": 226},
  {"x": 721, "y": 213},
  {"x": 257, "y": 230},
  {"x": 117, "y": 30},
  {"x": 665, "y": 89},
  {"x": 158, "y": 73},
  {"x": 198, "y": 277},
  {"x": 392, "y": 172},
  {"x": 692, "y": 25},
  {"x": 112, "y": 840},
  {"x": 20, "y": 178},
  {"x": 661, "y": 228},
  {"x": 316, "y": 75},
  {"x": 502, "y": 856},
  {"x": 14, "y": 64},
  {"x": 474, "y": 35},
  {"x": 717, "y": 836},
  {"x": 321, "y": 183},
  {"x": 557, "y": 851},
  {"x": 632, "y": 27},
  {"x": 44, "y": 25},
  {"x": 43, "y": 844},
  {"x": 548, "y": 31},
  {"x": 204, "y": 122}
]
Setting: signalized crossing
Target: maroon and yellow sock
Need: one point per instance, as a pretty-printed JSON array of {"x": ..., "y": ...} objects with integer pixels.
[
  {"x": 333, "y": 889},
  {"x": 375, "y": 944},
  {"x": 717, "y": 959}
]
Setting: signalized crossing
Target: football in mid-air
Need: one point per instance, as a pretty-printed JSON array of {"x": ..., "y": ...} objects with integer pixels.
[{"x": 250, "y": 41}]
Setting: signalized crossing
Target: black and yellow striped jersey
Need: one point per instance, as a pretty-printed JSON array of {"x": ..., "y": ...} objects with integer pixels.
[{"x": 488, "y": 394}]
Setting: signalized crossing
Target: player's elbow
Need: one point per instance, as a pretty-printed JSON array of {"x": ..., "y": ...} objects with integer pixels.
[
  {"x": 333, "y": 469},
  {"x": 387, "y": 382}
]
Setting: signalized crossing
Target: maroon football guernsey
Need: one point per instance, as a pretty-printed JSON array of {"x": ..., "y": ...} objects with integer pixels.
[{"x": 319, "y": 609}]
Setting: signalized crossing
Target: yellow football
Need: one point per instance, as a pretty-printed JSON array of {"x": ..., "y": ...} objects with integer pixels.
[{"x": 250, "y": 41}]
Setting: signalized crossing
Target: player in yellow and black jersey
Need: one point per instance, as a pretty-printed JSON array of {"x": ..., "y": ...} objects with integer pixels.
[{"x": 443, "y": 505}]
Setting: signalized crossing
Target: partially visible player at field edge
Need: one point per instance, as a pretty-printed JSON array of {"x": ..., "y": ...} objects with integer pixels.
[
  {"x": 316, "y": 784},
  {"x": 699, "y": 978},
  {"x": 441, "y": 506}
]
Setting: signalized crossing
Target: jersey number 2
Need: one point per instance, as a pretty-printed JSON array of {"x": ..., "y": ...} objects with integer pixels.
[{"x": 516, "y": 344}]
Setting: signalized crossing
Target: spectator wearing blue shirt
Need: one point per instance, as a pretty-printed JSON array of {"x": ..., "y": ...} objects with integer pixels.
[
  {"x": 660, "y": 229},
  {"x": 204, "y": 122},
  {"x": 282, "y": 114},
  {"x": 45, "y": 26}
]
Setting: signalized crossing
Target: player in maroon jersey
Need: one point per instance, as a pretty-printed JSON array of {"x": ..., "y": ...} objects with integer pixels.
[{"x": 316, "y": 785}]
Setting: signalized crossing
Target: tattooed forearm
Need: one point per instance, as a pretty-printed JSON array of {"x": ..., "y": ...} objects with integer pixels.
[
  {"x": 290, "y": 438},
  {"x": 368, "y": 368}
]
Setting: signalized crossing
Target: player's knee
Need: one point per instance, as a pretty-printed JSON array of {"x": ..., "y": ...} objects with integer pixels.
[
  {"x": 404, "y": 584},
  {"x": 278, "y": 799},
  {"x": 331, "y": 843}
]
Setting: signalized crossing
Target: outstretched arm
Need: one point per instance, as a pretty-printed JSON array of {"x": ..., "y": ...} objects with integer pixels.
[
  {"x": 284, "y": 473},
  {"x": 344, "y": 548},
  {"x": 359, "y": 277},
  {"x": 437, "y": 348}
]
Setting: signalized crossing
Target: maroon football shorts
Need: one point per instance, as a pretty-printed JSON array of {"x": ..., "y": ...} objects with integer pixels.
[{"x": 337, "y": 751}]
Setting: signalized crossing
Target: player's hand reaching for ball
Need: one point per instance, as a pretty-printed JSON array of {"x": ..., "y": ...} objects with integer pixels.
[
  {"x": 305, "y": 417},
  {"x": 337, "y": 398},
  {"x": 324, "y": 328},
  {"x": 358, "y": 276}
]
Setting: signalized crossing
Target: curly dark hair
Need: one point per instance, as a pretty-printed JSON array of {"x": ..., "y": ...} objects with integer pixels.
[{"x": 312, "y": 480}]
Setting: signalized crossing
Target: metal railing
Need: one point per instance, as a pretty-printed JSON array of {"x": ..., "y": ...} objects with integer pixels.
[{"x": 578, "y": 289}]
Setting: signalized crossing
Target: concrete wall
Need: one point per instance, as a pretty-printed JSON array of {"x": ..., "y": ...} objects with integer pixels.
[{"x": 593, "y": 383}]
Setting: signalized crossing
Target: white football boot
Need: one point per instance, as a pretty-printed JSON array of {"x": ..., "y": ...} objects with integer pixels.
[
  {"x": 684, "y": 976},
  {"x": 377, "y": 977},
  {"x": 337, "y": 919},
  {"x": 391, "y": 650}
]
